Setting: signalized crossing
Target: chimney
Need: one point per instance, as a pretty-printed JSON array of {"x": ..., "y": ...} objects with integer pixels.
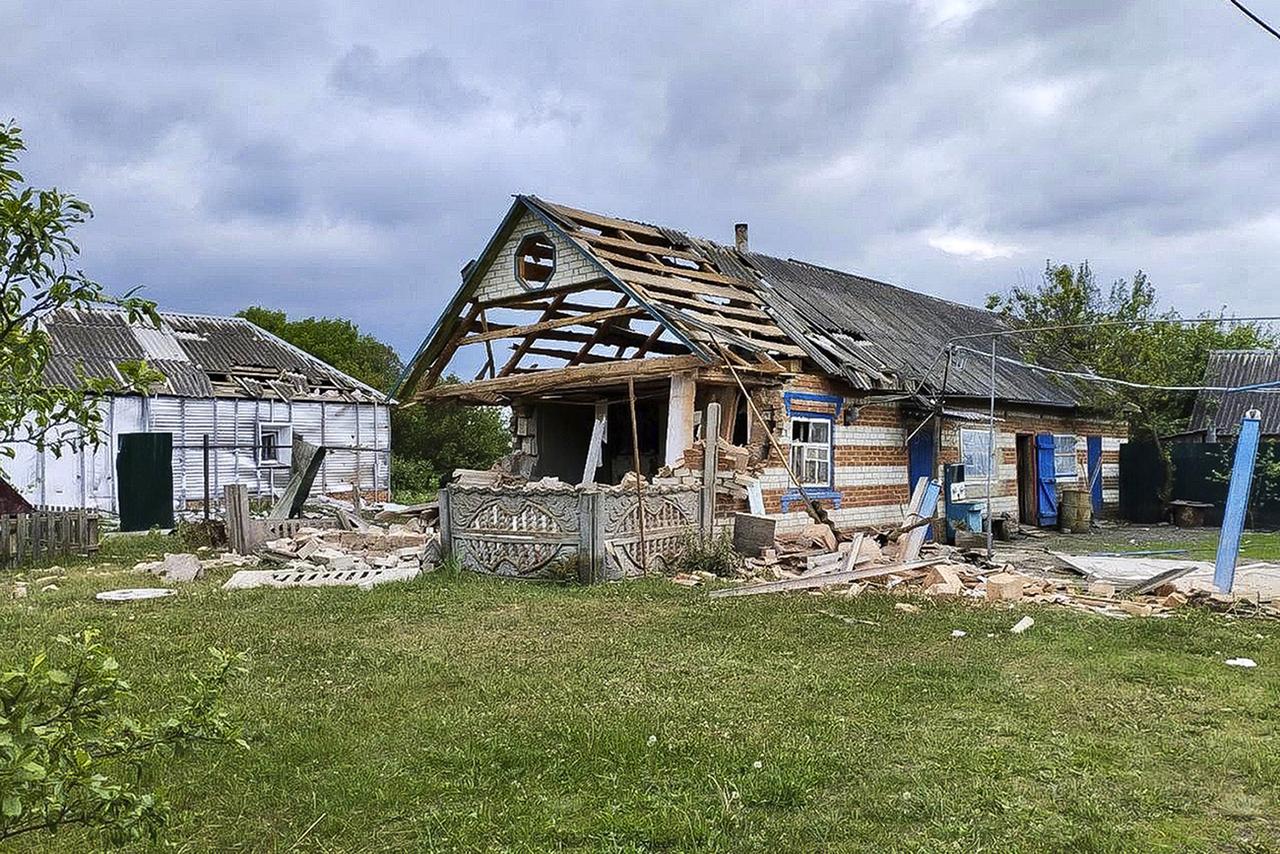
[{"x": 740, "y": 236}]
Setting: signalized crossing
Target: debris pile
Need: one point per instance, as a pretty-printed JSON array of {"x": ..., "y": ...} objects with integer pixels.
[
  {"x": 816, "y": 559},
  {"x": 398, "y": 546},
  {"x": 184, "y": 567},
  {"x": 736, "y": 472}
]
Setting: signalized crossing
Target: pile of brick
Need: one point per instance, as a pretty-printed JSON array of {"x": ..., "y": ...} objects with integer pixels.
[
  {"x": 374, "y": 547},
  {"x": 736, "y": 473}
]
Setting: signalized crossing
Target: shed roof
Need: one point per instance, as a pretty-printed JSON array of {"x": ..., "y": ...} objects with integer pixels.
[
  {"x": 200, "y": 355},
  {"x": 1232, "y": 369}
]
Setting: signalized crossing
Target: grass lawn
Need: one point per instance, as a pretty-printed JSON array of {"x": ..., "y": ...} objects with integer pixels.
[{"x": 468, "y": 714}]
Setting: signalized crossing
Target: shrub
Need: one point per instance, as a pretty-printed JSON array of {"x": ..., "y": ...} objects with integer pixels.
[
  {"x": 708, "y": 554},
  {"x": 70, "y": 756}
]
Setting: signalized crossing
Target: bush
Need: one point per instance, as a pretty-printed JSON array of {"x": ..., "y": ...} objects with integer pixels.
[
  {"x": 708, "y": 554},
  {"x": 70, "y": 756},
  {"x": 416, "y": 478}
]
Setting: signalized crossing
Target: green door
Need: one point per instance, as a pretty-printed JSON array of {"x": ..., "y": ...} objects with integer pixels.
[{"x": 144, "y": 481}]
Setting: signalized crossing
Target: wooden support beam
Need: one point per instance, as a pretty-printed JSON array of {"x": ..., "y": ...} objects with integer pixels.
[
  {"x": 621, "y": 310},
  {"x": 524, "y": 345},
  {"x": 563, "y": 378},
  {"x": 585, "y": 350}
]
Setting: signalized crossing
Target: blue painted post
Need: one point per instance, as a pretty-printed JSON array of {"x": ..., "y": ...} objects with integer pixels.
[{"x": 1224, "y": 572}]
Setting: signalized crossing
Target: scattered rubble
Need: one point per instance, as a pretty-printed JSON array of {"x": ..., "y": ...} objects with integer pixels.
[
  {"x": 1114, "y": 585},
  {"x": 184, "y": 567},
  {"x": 321, "y": 557}
]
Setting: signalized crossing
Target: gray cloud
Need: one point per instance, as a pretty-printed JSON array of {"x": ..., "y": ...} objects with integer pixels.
[
  {"x": 348, "y": 158},
  {"x": 425, "y": 80}
]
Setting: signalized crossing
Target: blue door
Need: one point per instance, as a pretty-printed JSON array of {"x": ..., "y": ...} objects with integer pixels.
[
  {"x": 1046, "y": 482},
  {"x": 1094, "y": 471},
  {"x": 920, "y": 462}
]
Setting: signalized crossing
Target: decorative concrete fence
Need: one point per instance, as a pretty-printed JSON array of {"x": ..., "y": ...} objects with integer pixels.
[{"x": 591, "y": 533}]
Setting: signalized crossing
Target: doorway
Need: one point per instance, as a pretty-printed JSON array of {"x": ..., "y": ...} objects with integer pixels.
[{"x": 1026, "y": 453}]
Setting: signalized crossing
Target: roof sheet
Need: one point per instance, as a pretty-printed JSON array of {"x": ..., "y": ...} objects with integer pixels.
[
  {"x": 1231, "y": 369},
  {"x": 191, "y": 350}
]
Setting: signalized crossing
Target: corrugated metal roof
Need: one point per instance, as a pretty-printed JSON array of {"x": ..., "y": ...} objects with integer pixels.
[
  {"x": 1231, "y": 369},
  {"x": 866, "y": 325},
  {"x": 200, "y": 355}
]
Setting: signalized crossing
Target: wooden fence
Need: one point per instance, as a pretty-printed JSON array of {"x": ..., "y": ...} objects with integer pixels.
[{"x": 47, "y": 534}]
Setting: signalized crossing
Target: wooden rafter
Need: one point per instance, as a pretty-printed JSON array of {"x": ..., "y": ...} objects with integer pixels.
[
  {"x": 495, "y": 332},
  {"x": 524, "y": 345},
  {"x": 601, "y": 330}
]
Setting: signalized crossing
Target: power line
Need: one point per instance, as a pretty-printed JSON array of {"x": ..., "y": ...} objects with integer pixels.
[
  {"x": 1261, "y": 388},
  {"x": 1254, "y": 17}
]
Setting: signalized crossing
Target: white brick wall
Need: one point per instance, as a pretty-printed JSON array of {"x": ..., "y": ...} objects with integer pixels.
[
  {"x": 870, "y": 475},
  {"x": 870, "y": 436},
  {"x": 572, "y": 266}
]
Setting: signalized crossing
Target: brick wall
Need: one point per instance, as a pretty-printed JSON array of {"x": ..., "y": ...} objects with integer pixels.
[
  {"x": 870, "y": 454},
  {"x": 572, "y": 266}
]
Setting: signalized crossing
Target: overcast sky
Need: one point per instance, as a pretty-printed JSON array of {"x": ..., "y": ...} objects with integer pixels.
[{"x": 348, "y": 158}]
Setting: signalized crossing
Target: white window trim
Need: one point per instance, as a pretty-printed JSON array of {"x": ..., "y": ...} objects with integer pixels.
[
  {"x": 986, "y": 435},
  {"x": 1075, "y": 460},
  {"x": 829, "y": 446},
  {"x": 284, "y": 449}
]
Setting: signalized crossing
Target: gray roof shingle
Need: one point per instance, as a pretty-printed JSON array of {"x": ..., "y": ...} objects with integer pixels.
[
  {"x": 1232, "y": 369},
  {"x": 200, "y": 356}
]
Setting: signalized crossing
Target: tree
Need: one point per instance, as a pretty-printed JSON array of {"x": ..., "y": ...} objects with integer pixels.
[
  {"x": 38, "y": 277},
  {"x": 428, "y": 442},
  {"x": 1111, "y": 335},
  {"x": 70, "y": 755}
]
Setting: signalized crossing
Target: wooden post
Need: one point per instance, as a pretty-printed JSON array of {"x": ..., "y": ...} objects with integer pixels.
[
  {"x": 237, "y": 499},
  {"x": 590, "y": 549},
  {"x": 635, "y": 459},
  {"x": 446, "y": 524},
  {"x": 205, "y": 448},
  {"x": 710, "y": 459},
  {"x": 680, "y": 416}
]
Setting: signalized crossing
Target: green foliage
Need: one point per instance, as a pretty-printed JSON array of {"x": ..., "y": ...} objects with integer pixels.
[
  {"x": 428, "y": 441},
  {"x": 708, "y": 554},
  {"x": 37, "y": 277},
  {"x": 447, "y": 436},
  {"x": 71, "y": 755},
  {"x": 1171, "y": 354},
  {"x": 1264, "y": 492}
]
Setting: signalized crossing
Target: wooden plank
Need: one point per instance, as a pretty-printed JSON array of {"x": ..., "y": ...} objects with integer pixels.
[
  {"x": 735, "y": 311},
  {"x": 547, "y": 314},
  {"x": 584, "y": 352},
  {"x": 822, "y": 580},
  {"x": 567, "y": 377},
  {"x": 617, "y": 258},
  {"x": 745, "y": 293},
  {"x": 602, "y": 221},
  {"x": 542, "y": 326},
  {"x": 635, "y": 246}
]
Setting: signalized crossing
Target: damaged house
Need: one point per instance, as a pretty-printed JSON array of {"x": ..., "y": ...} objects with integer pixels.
[
  {"x": 567, "y": 311},
  {"x": 249, "y": 392}
]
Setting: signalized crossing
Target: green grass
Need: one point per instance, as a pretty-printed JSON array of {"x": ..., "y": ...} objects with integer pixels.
[
  {"x": 1198, "y": 543},
  {"x": 466, "y": 714}
]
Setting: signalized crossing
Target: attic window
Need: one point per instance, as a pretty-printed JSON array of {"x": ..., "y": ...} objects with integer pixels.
[{"x": 535, "y": 261}]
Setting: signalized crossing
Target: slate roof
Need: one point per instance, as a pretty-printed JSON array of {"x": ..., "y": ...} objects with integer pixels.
[
  {"x": 1231, "y": 369},
  {"x": 871, "y": 333},
  {"x": 200, "y": 356}
]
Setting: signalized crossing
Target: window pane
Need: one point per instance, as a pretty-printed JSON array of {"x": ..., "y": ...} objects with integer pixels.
[
  {"x": 797, "y": 459},
  {"x": 975, "y": 452},
  {"x": 800, "y": 431},
  {"x": 820, "y": 431}
]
